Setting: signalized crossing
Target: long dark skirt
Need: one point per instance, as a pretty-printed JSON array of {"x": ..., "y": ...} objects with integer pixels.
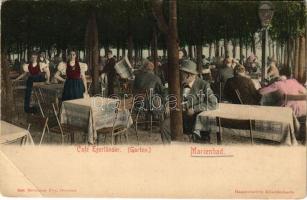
[{"x": 73, "y": 89}]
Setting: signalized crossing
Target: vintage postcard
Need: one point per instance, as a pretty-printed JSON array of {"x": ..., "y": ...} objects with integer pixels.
[{"x": 153, "y": 99}]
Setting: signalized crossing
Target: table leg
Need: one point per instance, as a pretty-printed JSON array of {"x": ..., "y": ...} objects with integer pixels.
[
  {"x": 72, "y": 137},
  {"x": 116, "y": 139},
  {"x": 219, "y": 138}
]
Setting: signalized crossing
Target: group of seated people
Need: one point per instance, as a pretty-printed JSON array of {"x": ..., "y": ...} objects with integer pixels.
[
  {"x": 232, "y": 78},
  {"x": 238, "y": 87}
]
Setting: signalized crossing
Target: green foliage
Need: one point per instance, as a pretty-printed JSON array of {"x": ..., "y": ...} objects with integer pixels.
[
  {"x": 289, "y": 20},
  {"x": 62, "y": 23}
]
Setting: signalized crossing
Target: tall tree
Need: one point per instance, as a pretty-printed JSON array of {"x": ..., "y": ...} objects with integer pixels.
[
  {"x": 302, "y": 57},
  {"x": 199, "y": 53},
  {"x": 296, "y": 57},
  {"x": 171, "y": 33},
  {"x": 91, "y": 41},
  {"x": 6, "y": 89}
]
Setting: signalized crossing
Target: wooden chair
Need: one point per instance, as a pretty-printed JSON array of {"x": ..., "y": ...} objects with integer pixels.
[
  {"x": 234, "y": 124},
  {"x": 298, "y": 97},
  {"x": 23, "y": 139},
  {"x": 220, "y": 91},
  {"x": 39, "y": 121},
  {"x": 88, "y": 82},
  {"x": 141, "y": 113},
  {"x": 117, "y": 130},
  {"x": 239, "y": 96},
  {"x": 19, "y": 88},
  {"x": 302, "y": 120},
  {"x": 64, "y": 129}
]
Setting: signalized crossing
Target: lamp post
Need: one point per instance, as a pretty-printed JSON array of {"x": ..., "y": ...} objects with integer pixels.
[{"x": 265, "y": 12}]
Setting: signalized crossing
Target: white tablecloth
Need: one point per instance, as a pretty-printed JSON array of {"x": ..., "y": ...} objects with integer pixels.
[
  {"x": 11, "y": 133},
  {"x": 271, "y": 123},
  {"x": 92, "y": 114}
]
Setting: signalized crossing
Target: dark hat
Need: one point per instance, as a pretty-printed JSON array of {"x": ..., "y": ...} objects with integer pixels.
[{"x": 189, "y": 67}]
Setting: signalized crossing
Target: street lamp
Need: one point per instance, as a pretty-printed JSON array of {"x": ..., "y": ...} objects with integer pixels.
[{"x": 266, "y": 12}]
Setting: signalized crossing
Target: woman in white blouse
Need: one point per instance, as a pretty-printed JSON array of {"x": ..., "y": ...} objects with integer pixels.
[
  {"x": 35, "y": 71},
  {"x": 75, "y": 82}
]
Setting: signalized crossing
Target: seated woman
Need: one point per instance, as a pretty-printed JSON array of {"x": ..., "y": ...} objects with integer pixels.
[
  {"x": 75, "y": 84},
  {"x": 244, "y": 85},
  {"x": 282, "y": 86},
  {"x": 35, "y": 70}
]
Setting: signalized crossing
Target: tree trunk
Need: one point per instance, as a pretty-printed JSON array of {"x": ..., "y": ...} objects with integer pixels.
[
  {"x": 296, "y": 58},
  {"x": 171, "y": 35},
  {"x": 302, "y": 56},
  {"x": 174, "y": 78},
  {"x": 91, "y": 41},
  {"x": 190, "y": 52},
  {"x": 285, "y": 58},
  {"x": 253, "y": 48},
  {"x": 281, "y": 54},
  {"x": 199, "y": 51},
  {"x": 135, "y": 55},
  {"x": 117, "y": 51},
  {"x": 155, "y": 48},
  {"x": 18, "y": 52},
  {"x": 273, "y": 50},
  {"x": 270, "y": 49},
  {"x": 221, "y": 51},
  {"x": 277, "y": 52},
  {"x": 130, "y": 47},
  {"x": 149, "y": 51},
  {"x": 246, "y": 50},
  {"x": 164, "y": 53},
  {"x": 23, "y": 53},
  {"x": 141, "y": 53},
  {"x": 123, "y": 52},
  {"x": 288, "y": 54},
  {"x": 226, "y": 48},
  {"x": 49, "y": 53},
  {"x": 241, "y": 50},
  {"x": 217, "y": 48},
  {"x": 305, "y": 76},
  {"x": 234, "y": 49},
  {"x": 6, "y": 90},
  {"x": 210, "y": 51}
]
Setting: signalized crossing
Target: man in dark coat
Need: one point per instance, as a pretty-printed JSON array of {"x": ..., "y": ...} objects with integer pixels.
[
  {"x": 110, "y": 71},
  {"x": 224, "y": 72},
  {"x": 244, "y": 86},
  {"x": 197, "y": 96},
  {"x": 147, "y": 79}
]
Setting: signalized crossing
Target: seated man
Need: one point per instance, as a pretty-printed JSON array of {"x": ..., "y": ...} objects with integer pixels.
[
  {"x": 225, "y": 72},
  {"x": 244, "y": 85},
  {"x": 284, "y": 86},
  {"x": 197, "y": 96},
  {"x": 147, "y": 79}
]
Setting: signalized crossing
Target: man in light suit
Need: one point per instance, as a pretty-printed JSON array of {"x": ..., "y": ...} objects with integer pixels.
[{"x": 197, "y": 96}]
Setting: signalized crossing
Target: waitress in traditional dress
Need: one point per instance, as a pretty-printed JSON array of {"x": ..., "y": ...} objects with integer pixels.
[
  {"x": 35, "y": 70},
  {"x": 75, "y": 83}
]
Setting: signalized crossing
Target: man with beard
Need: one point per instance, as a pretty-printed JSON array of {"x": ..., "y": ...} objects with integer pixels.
[{"x": 197, "y": 96}]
